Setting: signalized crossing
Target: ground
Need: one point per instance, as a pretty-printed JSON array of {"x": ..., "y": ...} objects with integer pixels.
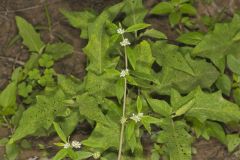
[{"x": 13, "y": 55}]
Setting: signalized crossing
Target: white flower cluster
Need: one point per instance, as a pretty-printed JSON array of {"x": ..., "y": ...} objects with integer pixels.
[
  {"x": 137, "y": 118},
  {"x": 120, "y": 31},
  {"x": 124, "y": 73},
  {"x": 125, "y": 42},
  {"x": 74, "y": 144},
  {"x": 96, "y": 155}
]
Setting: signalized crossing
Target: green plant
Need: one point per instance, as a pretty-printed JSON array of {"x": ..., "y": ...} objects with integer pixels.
[
  {"x": 137, "y": 85},
  {"x": 176, "y": 9}
]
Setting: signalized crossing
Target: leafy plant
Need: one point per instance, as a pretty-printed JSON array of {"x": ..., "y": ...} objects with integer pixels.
[
  {"x": 176, "y": 9},
  {"x": 137, "y": 84}
]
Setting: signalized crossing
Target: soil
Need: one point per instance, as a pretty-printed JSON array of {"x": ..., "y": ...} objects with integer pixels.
[{"x": 15, "y": 55}]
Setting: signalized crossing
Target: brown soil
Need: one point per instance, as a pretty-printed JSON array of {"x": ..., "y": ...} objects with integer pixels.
[{"x": 33, "y": 10}]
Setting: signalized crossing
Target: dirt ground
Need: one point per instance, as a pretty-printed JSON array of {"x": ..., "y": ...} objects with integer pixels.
[{"x": 14, "y": 55}]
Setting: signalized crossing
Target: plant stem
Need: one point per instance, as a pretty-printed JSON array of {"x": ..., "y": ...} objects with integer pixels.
[{"x": 123, "y": 107}]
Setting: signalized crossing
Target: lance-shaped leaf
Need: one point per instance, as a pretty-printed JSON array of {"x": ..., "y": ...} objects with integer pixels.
[
  {"x": 176, "y": 140},
  {"x": 39, "y": 116},
  {"x": 80, "y": 20},
  {"x": 219, "y": 43},
  {"x": 30, "y": 37},
  {"x": 135, "y": 12},
  {"x": 100, "y": 42}
]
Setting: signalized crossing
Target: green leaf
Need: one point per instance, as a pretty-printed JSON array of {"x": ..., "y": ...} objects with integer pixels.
[
  {"x": 205, "y": 74},
  {"x": 8, "y": 99},
  {"x": 162, "y": 8},
  {"x": 17, "y": 75},
  {"x": 24, "y": 89},
  {"x": 218, "y": 44},
  {"x": 81, "y": 155},
  {"x": 70, "y": 123},
  {"x": 139, "y": 104},
  {"x": 12, "y": 151},
  {"x": 80, "y": 20},
  {"x": 188, "y": 9},
  {"x": 190, "y": 38},
  {"x": 132, "y": 57},
  {"x": 176, "y": 140},
  {"x": 102, "y": 134},
  {"x": 161, "y": 107},
  {"x": 58, "y": 50},
  {"x": 60, "y": 132},
  {"x": 137, "y": 27},
  {"x": 144, "y": 58},
  {"x": 34, "y": 74},
  {"x": 46, "y": 61},
  {"x": 224, "y": 84},
  {"x": 99, "y": 85},
  {"x": 174, "y": 18},
  {"x": 185, "y": 107},
  {"x": 60, "y": 154},
  {"x": 69, "y": 85},
  {"x": 89, "y": 108},
  {"x": 30, "y": 37},
  {"x": 233, "y": 140},
  {"x": 120, "y": 89},
  {"x": 99, "y": 42},
  {"x": 130, "y": 136},
  {"x": 135, "y": 12},
  {"x": 168, "y": 56},
  {"x": 40, "y": 115},
  {"x": 233, "y": 64},
  {"x": 212, "y": 106},
  {"x": 236, "y": 95},
  {"x": 153, "y": 33},
  {"x": 148, "y": 120},
  {"x": 209, "y": 129}
]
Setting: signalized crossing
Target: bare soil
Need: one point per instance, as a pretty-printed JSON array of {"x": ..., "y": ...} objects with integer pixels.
[{"x": 33, "y": 10}]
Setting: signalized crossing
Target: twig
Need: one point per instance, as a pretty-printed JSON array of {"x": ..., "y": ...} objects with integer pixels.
[
  {"x": 27, "y": 8},
  {"x": 13, "y": 60}
]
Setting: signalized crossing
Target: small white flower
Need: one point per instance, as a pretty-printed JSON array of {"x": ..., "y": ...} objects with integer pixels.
[
  {"x": 125, "y": 42},
  {"x": 136, "y": 118},
  {"x": 67, "y": 145},
  {"x": 76, "y": 144},
  {"x": 120, "y": 30},
  {"x": 96, "y": 155},
  {"x": 124, "y": 73}
]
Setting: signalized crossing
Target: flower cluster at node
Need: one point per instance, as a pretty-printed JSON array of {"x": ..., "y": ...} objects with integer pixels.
[
  {"x": 67, "y": 145},
  {"x": 96, "y": 155},
  {"x": 125, "y": 42},
  {"x": 74, "y": 144},
  {"x": 120, "y": 31},
  {"x": 124, "y": 73},
  {"x": 137, "y": 118},
  {"x": 123, "y": 120}
]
